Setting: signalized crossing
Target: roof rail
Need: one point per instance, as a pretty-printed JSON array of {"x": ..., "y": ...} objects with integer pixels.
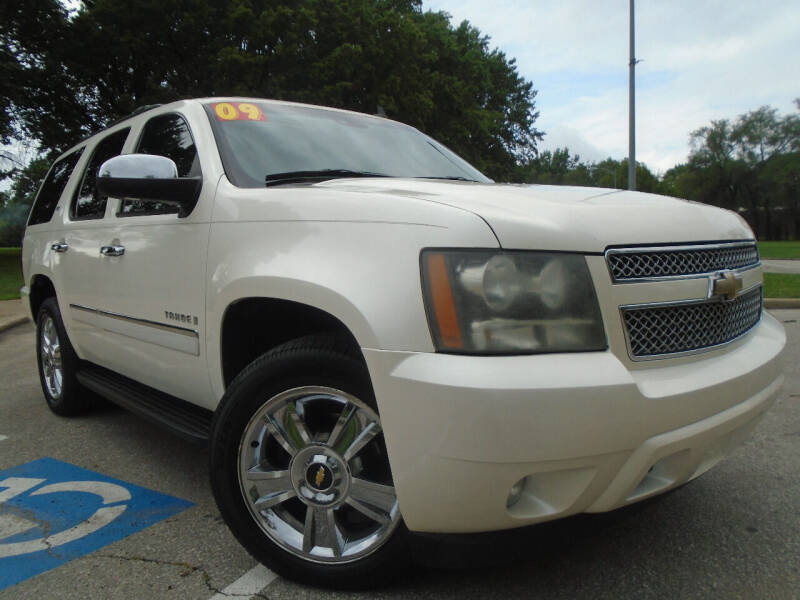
[
  {"x": 139, "y": 110},
  {"x": 142, "y": 109},
  {"x": 136, "y": 111}
]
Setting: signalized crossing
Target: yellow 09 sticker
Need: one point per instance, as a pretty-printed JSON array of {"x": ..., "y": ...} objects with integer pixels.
[{"x": 239, "y": 111}]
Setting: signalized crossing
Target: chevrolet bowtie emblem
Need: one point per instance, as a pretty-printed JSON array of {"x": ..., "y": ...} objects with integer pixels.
[
  {"x": 319, "y": 477},
  {"x": 726, "y": 285}
]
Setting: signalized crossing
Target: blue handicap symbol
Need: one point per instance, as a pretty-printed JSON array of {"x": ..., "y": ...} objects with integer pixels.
[{"x": 52, "y": 512}]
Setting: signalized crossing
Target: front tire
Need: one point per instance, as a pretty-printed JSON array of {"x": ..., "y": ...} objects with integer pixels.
[
  {"x": 58, "y": 363},
  {"x": 299, "y": 467}
]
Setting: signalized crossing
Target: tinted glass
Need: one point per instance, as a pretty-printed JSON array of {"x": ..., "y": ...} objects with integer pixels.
[
  {"x": 52, "y": 188},
  {"x": 259, "y": 139},
  {"x": 88, "y": 203},
  {"x": 165, "y": 135}
]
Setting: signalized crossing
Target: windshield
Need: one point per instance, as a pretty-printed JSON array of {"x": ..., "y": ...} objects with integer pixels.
[{"x": 259, "y": 141}]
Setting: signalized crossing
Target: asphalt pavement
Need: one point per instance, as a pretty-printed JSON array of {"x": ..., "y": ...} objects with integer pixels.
[
  {"x": 13, "y": 313},
  {"x": 732, "y": 533}
]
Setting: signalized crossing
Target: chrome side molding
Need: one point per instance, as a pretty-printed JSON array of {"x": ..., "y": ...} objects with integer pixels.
[{"x": 168, "y": 336}]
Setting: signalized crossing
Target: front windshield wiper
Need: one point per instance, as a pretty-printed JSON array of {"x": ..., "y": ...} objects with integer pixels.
[
  {"x": 449, "y": 177},
  {"x": 318, "y": 175}
]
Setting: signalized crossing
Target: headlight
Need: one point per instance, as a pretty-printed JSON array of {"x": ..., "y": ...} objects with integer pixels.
[{"x": 496, "y": 302}]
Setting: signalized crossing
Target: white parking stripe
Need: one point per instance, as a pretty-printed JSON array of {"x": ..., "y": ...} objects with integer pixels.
[{"x": 249, "y": 584}]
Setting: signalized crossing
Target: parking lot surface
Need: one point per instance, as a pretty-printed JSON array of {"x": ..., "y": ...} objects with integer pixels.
[{"x": 732, "y": 533}]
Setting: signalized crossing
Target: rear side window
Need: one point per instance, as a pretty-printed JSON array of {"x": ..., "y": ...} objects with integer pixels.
[
  {"x": 88, "y": 203},
  {"x": 165, "y": 135},
  {"x": 46, "y": 201}
]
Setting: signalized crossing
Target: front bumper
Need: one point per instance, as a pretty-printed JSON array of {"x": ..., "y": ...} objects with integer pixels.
[{"x": 587, "y": 433}]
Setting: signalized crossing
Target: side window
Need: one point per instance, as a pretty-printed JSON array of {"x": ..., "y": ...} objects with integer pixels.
[
  {"x": 88, "y": 203},
  {"x": 46, "y": 201},
  {"x": 165, "y": 135}
]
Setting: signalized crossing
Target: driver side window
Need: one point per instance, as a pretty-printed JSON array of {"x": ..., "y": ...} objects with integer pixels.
[
  {"x": 165, "y": 135},
  {"x": 88, "y": 203}
]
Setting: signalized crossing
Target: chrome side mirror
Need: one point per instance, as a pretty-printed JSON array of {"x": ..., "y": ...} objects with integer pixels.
[
  {"x": 148, "y": 177},
  {"x": 139, "y": 166}
]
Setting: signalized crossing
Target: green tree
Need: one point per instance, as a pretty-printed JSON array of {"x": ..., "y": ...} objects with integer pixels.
[
  {"x": 27, "y": 181},
  {"x": 15, "y": 204},
  {"x": 30, "y": 32},
  {"x": 646, "y": 181},
  {"x": 552, "y": 167},
  {"x": 363, "y": 55},
  {"x": 12, "y": 224},
  {"x": 767, "y": 145},
  {"x": 559, "y": 167},
  {"x": 610, "y": 173},
  {"x": 749, "y": 165},
  {"x": 718, "y": 174},
  {"x": 607, "y": 173},
  {"x": 675, "y": 181}
]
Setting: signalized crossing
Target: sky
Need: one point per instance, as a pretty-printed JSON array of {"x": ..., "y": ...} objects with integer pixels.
[{"x": 701, "y": 60}]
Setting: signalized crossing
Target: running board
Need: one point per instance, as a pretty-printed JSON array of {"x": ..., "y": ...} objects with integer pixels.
[{"x": 183, "y": 418}]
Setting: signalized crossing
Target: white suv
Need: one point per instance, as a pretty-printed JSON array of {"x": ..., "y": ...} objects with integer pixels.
[{"x": 376, "y": 339}]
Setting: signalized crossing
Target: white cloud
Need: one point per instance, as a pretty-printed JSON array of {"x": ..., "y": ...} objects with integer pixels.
[
  {"x": 572, "y": 138},
  {"x": 701, "y": 61}
]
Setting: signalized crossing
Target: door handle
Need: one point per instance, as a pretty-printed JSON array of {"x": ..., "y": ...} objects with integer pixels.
[
  {"x": 59, "y": 247},
  {"x": 112, "y": 250}
]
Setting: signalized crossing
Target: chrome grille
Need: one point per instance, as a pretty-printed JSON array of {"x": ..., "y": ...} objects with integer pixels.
[
  {"x": 628, "y": 264},
  {"x": 654, "y": 331}
]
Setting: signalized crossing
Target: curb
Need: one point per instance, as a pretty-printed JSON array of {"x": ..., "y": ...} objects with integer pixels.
[
  {"x": 781, "y": 302},
  {"x": 12, "y": 322}
]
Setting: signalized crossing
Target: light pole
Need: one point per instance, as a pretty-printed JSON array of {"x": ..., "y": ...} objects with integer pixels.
[{"x": 632, "y": 112}]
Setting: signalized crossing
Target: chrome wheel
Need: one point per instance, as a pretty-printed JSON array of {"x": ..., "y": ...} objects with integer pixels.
[
  {"x": 314, "y": 474},
  {"x": 50, "y": 353}
]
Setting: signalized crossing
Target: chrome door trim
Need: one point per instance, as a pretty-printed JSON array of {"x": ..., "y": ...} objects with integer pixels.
[
  {"x": 83, "y": 314},
  {"x": 168, "y": 336}
]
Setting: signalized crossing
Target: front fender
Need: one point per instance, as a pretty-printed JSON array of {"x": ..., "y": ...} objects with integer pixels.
[{"x": 365, "y": 274}]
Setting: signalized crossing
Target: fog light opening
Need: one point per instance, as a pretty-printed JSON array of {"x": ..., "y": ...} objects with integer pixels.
[{"x": 515, "y": 493}]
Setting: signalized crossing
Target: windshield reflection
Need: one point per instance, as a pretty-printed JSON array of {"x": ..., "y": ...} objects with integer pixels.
[{"x": 301, "y": 139}]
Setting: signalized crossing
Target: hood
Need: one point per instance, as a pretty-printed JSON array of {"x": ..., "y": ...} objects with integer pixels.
[{"x": 546, "y": 217}]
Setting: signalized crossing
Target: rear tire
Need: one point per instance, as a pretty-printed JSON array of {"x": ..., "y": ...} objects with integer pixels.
[
  {"x": 58, "y": 363},
  {"x": 299, "y": 467}
]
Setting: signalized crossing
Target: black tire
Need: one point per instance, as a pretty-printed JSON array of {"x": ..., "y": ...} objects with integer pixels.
[
  {"x": 318, "y": 360},
  {"x": 69, "y": 398}
]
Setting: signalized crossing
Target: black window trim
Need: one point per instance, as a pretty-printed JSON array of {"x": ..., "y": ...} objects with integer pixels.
[
  {"x": 77, "y": 149},
  {"x": 150, "y": 213},
  {"x": 73, "y": 202}
]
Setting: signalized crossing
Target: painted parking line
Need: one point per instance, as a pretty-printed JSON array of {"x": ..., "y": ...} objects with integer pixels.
[
  {"x": 249, "y": 584},
  {"x": 52, "y": 512}
]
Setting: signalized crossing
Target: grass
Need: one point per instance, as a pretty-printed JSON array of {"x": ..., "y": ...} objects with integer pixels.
[
  {"x": 779, "y": 249},
  {"x": 10, "y": 273},
  {"x": 781, "y": 285}
]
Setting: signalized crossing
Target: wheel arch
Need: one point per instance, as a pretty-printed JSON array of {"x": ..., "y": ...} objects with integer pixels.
[
  {"x": 253, "y": 325},
  {"x": 41, "y": 288}
]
